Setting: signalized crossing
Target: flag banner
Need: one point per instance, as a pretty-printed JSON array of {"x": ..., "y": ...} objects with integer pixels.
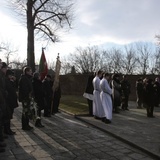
[
  {"x": 57, "y": 71},
  {"x": 43, "y": 67},
  {"x": 56, "y": 79}
]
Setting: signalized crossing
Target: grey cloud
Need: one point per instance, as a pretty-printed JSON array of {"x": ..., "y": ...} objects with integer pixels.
[{"x": 122, "y": 19}]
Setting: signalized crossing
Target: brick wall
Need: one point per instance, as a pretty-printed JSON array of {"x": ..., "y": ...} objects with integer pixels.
[{"x": 75, "y": 84}]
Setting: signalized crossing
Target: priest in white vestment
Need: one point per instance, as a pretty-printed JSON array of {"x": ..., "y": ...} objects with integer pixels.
[
  {"x": 98, "y": 111},
  {"x": 106, "y": 99}
]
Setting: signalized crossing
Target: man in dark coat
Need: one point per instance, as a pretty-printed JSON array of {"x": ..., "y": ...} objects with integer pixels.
[
  {"x": 149, "y": 97},
  {"x": 47, "y": 88},
  {"x": 11, "y": 99},
  {"x": 2, "y": 107},
  {"x": 125, "y": 91},
  {"x": 38, "y": 95},
  {"x": 25, "y": 91}
]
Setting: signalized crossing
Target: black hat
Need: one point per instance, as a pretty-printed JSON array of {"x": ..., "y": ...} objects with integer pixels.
[
  {"x": 35, "y": 74},
  {"x": 9, "y": 72},
  {"x": 4, "y": 65}
]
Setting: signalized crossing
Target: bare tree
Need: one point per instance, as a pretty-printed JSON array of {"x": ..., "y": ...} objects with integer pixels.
[
  {"x": 129, "y": 60},
  {"x": 114, "y": 62},
  {"x": 144, "y": 52},
  {"x": 8, "y": 50},
  {"x": 66, "y": 65},
  {"x": 86, "y": 60},
  {"x": 155, "y": 62},
  {"x": 44, "y": 18}
]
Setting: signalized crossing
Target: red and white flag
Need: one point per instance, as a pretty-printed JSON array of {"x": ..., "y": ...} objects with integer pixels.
[{"x": 43, "y": 67}]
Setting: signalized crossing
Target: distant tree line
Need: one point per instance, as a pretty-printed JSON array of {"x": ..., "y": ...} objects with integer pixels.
[{"x": 140, "y": 58}]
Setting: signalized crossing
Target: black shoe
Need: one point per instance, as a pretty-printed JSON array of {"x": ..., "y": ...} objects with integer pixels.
[
  {"x": 27, "y": 128},
  {"x": 38, "y": 123},
  {"x": 10, "y": 132},
  {"x": 48, "y": 115},
  {"x": 103, "y": 119},
  {"x": 3, "y": 144},
  {"x": 107, "y": 121},
  {"x": 115, "y": 111},
  {"x": 2, "y": 150},
  {"x": 96, "y": 117},
  {"x": 5, "y": 136}
]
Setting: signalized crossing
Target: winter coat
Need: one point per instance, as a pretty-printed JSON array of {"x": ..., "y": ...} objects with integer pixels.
[{"x": 25, "y": 87}]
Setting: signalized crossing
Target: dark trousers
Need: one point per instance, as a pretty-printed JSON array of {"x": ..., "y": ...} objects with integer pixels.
[
  {"x": 47, "y": 107},
  {"x": 150, "y": 109},
  {"x": 90, "y": 105},
  {"x": 124, "y": 103}
]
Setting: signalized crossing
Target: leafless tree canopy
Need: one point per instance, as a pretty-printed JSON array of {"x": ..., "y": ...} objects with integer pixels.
[
  {"x": 44, "y": 18},
  {"x": 128, "y": 60}
]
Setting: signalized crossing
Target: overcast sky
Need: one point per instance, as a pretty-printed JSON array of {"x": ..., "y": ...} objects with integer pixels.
[{"x": 97, "y": 22}]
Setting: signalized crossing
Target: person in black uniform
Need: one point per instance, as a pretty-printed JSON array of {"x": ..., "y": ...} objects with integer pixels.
[
  {"x": 48, "y": 93},
  {"x": 25, "y": 93},
  {"x": 38, "y": 95},
  {"x": 125, "y": 91},
  {"x": 149, "y": 97},
  {"x": 11, "y": 99},
  {"x": 2, "y": 107}
]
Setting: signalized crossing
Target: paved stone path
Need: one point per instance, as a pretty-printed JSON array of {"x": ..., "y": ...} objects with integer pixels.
[{"x": 66, "y": 138}]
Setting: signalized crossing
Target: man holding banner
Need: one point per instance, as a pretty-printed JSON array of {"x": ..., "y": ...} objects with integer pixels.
[{"x": 56, "y": 88}]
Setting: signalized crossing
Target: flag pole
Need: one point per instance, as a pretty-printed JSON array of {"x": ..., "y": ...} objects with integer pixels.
[{"x": 56, "y": 79}]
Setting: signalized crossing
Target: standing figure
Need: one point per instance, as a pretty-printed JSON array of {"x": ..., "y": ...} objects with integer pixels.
[
  {"x": 125, "y": 91},
  {"x": 116, "y": 92},
  {"x": 25, "y": 92},
  {"x": 56, "y": 99},
  {"x": 12, "y": 102},
  {"x": 139, "y": 92},
  {"x": 38, "y": 96},
  {"x": 106, "y": 99},
  {"x": 47, "y": 88},
  {"x": 98, "y": 111},
  {"x": 89, "y": 94},
  {"x": 157, "y": 92},
  {"x": 2, "y": 108},
  {"x": 149, "y": 97}
]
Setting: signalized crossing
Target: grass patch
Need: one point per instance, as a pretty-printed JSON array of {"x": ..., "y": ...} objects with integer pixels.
[{"x": 74, "y": 104}]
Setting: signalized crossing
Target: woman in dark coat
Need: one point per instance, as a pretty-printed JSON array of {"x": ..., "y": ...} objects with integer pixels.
[{"x": 38, "y": 95}]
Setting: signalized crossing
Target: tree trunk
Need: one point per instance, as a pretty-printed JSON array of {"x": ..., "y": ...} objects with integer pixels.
[{"x": 30, "y": 38}]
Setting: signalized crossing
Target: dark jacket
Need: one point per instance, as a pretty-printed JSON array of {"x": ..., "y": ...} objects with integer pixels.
[
  {"x": 11, "y": 94},
  {"x": 149, "y": 93},
  {"x": 47, "y": 88},
  {"x": 25, "y": 87},
  {"x": 38, "y": 92},
  {"x": 89, "y": 86}
]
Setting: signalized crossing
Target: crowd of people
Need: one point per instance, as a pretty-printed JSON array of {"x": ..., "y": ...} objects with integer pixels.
[
  {"x": 148, "y": 94},
  {"x": 107, "y": 94},
  {"x": 34, "y": 94}
]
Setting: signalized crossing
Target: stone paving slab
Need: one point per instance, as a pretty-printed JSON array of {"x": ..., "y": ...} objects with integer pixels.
[
  {"x": 66, "y": 138},
  {"x": 133, "y": 127}
]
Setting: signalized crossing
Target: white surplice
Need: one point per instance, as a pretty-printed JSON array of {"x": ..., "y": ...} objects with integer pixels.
[
  {"x": 97, "y": 105},
  {"x": 106, "y": 99}
]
